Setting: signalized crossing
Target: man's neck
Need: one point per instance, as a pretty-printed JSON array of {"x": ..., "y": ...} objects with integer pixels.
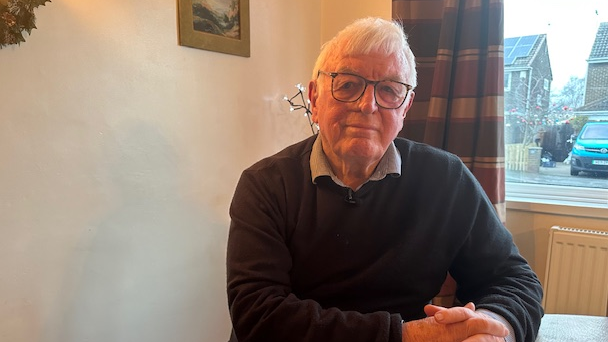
[{"x": 352, "y": 174}]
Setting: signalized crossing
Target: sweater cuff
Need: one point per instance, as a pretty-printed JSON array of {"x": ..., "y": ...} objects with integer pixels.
[{"x": 511, "y": 336}]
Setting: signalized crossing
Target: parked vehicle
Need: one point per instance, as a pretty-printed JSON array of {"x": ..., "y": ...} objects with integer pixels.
[{"x": 590, "y": 150}]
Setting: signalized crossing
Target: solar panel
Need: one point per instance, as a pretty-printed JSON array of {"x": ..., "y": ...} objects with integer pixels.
[
  {"x": 527, "y": 40},
  {"x": 511, "y": 41},
  {"x": 521, "y": 51},
  {"x": 518, "y": 47}
]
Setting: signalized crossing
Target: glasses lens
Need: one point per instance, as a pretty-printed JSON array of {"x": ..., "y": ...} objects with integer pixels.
[
  {"x": 390, "y": 94},
  {"x": 347, "y": 87}
]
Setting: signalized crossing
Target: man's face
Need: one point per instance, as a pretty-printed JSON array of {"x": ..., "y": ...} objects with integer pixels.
[{"x": 357, "y": 132}]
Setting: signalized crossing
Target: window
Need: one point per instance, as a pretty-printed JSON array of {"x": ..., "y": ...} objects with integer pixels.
[{"x": 547, "y": 104}]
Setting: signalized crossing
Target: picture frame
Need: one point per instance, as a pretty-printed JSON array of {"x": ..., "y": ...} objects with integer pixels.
[{"x": 215, "y": 25}]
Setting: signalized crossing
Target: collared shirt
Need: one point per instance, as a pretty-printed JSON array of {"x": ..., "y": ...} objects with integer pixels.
[{"x": 390, "y": 164}]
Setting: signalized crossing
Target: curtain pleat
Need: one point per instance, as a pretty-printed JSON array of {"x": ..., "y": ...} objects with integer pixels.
[{"x": 458, "y": 107}]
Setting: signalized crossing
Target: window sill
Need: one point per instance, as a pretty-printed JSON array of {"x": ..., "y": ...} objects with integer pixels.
[{"x": 565, "y": 200}]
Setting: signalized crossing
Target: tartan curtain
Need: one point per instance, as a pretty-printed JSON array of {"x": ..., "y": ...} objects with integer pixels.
[{"x": 458, "y": 107}]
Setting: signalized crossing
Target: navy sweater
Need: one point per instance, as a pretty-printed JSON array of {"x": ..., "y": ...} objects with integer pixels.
[{"x": 306, "y": 262}]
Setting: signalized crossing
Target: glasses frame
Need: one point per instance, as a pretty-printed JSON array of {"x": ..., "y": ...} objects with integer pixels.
[{"x": 367, "y": 82}]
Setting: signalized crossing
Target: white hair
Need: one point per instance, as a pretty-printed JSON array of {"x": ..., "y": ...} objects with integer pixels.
[{"x": 371, "y": 34}]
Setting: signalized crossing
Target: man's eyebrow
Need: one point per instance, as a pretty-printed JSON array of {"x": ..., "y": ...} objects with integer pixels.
[
  {"x": 347, "y": 70},
  {"x": 351, "y": 71}
]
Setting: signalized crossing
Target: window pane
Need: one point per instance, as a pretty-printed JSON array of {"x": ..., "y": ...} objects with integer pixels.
[{"x": 556, "y": 72}]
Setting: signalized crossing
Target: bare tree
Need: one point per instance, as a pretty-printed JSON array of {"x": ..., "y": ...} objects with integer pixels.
[
  {"x": 570, "y": 97},
  {"x": 527, "y": 109}
]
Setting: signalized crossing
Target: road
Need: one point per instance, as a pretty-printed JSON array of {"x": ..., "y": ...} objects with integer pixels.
[{"x": 558, "y": 175}]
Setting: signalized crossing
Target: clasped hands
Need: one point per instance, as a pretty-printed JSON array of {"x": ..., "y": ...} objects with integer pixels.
[{"x": 457, "y": 324}]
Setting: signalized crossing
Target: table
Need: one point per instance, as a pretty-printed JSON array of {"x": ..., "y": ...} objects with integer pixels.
[{"x": 573, "y": 328}]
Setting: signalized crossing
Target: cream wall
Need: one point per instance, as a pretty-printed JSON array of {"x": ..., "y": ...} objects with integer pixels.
[
  {"x": 119, "y": 154},
  {"x": 336, "y": 14}
]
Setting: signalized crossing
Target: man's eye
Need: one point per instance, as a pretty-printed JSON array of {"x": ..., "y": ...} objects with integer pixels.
[
  {"x": 388, "y": 90},
  {"x": 346, "y": 85},
  {"x": 391, "y": 89}
]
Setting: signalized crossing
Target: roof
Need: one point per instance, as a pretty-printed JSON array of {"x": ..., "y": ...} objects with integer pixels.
[
  {"x": 600, "y": 45},
  {"x": 519, "y": 51},
  {"x": 595, "y": 106}
]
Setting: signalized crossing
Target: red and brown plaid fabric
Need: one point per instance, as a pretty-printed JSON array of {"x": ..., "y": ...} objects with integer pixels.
[{"x": 458, "y": 107}]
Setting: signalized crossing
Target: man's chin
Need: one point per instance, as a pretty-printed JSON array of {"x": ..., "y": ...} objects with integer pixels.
[{"x": 364, "y": 149}]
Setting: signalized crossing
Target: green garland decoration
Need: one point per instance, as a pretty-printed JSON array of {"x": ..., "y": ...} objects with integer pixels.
[{"x": 17, "y": 16}]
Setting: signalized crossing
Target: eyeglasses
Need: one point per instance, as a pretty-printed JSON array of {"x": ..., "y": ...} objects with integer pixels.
[{"x": 347, "y": 87}]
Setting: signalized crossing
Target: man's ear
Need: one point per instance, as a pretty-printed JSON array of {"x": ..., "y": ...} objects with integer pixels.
[{"x": 313, "y": 93}]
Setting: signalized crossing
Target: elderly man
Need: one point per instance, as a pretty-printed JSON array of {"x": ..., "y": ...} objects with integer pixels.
[{"x": 349, "y": 234}]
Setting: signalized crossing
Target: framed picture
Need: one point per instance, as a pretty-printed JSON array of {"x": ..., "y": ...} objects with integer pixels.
[{"x": 215, "y": 25}]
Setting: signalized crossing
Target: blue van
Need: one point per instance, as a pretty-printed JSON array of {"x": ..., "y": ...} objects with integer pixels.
[{"x": 590, "y": 151}]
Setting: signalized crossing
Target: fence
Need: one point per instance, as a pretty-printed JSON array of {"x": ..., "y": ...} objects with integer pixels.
[{"x": 516, "y": 157}]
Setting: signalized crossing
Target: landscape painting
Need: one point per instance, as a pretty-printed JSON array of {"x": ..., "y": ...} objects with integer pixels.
[
  {"x": 220, "y": 17},
  {"x": 216, "y": 25}
]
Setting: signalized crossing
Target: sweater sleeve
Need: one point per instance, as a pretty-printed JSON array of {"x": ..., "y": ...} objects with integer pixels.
[
  {"x": 261, "y": 302},
  {"x": 488, "y": 267}
]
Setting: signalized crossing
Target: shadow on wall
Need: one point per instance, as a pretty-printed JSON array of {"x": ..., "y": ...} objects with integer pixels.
[{"x": 153, "y": 268}]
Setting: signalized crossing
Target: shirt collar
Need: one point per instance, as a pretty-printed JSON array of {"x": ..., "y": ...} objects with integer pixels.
[{"x": 390, "y": 164}]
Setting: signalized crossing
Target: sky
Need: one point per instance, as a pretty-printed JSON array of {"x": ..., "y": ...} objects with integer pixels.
[
  {"x": 223, "y": 5},
  {"x": 570, "y": 26}
]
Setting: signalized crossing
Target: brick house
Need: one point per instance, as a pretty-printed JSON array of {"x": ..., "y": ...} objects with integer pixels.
[
  {"x": 527, "y": 85},
  {"x": 595, "y": 106}
]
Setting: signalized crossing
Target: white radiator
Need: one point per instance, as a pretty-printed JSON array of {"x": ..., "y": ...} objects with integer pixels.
[{"x": 576, "y": 280}]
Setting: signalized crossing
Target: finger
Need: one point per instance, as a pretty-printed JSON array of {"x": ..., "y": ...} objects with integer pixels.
[
  {"x": 483, "y": 324},
  {"x": 431, "y": 310},
  {"x": 475, "y": 323},
  {"x": 428, "y": 329},
  {"x": 454, "y": 315},
  {"x": 490, "y": 325},
  {"x": 477, "y": 329}
]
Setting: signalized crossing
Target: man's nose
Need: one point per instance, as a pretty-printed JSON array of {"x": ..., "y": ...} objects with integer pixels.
[{"x": 367, "y": 102}]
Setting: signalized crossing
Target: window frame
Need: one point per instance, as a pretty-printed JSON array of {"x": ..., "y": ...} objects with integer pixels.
[
  {"x": 523, "y": 74},
  {"x": 556, "y": 195},
  {"x": 508, "y": 78}
]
